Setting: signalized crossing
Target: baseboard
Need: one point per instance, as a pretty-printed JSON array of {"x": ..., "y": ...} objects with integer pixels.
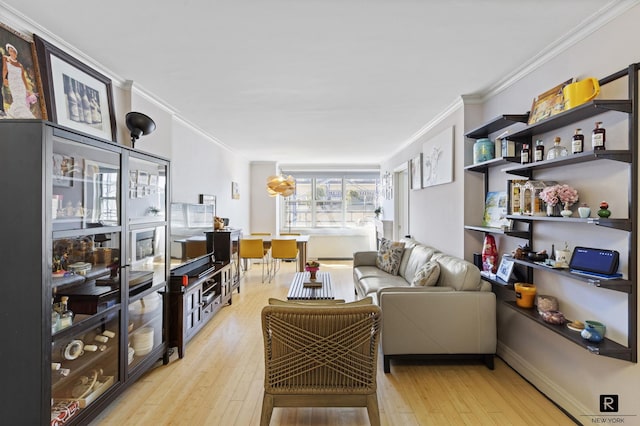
[{"x": 556, "y": 394}]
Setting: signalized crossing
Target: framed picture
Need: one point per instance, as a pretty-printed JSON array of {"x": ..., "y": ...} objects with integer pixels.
[
  {"x": 22, "y": 96},
  {"x": 76, "y": 96},
  {"x": 415, "y": 166},
  {"x": 495, "y": 209},
  {"x": 153, "y": 180},
  {"x": 143, "y": 178},
  {"x": 235, "y": 191},
  {"x": 62, "y": 170},
  {"x": 548, "y": 103},
  {"x": 437, "y": 159},
  {"x": 505, "y": 269}
]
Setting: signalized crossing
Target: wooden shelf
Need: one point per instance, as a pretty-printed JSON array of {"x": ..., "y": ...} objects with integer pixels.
[
  {"x": 621, "y": 285},
  {"x": 620, "y": 224},
  {"x": 486, "y": 165},
  {"x": 498, "y": 231},
  {"x": 582, "y": 112},
  {"x": 526, "y": 170},
  {"x": 498, "y": 123},
  {"x": 605, "y": 348}
]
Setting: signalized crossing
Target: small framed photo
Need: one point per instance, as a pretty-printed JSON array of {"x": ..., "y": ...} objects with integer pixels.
[
  {"x": 143, "y": 178},
  {"x": 76, "y": 95},
  {"x": 415, "y": 167},
  {"x": 505, "y": 269},
  {"x": 235, "y": 191},
  {"x": 548, "y": 103}
]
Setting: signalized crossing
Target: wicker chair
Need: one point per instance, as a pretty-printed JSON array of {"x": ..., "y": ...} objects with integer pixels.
[{"x": 321, "y": 356}]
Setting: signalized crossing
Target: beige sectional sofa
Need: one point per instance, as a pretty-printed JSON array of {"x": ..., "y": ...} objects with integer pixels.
[{"x": 453, "y": 316}]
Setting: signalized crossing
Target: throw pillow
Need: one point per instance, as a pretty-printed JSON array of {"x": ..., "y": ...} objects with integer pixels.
[
  {"x": 389, "y": 256},
  {"x": 427, "y": 275}
]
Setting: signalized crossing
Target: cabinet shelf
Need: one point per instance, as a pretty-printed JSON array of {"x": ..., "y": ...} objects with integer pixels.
[
  {"x": 526, "y": 170},
  {"x": 607, "y": 347},
  {"x": 621, "y": 285},
  {"x": 582, "y": 112},
  {"x": 498, "y": 231},
  {"x": 620, "y": 224},
  {"x": 498, "y": 123},
  {"x": 486, "y": 165}
]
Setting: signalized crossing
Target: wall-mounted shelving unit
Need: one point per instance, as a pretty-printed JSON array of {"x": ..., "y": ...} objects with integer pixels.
[{"x": 627, "y": 157}]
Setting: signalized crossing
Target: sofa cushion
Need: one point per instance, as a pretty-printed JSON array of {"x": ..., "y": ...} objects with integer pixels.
[
  {"x": 370, "y": 285},
  {"x": 419, "y": 256},
  {"x": 361, "y": 272},
  {"x": 427, "y": 275},
  {"x": 457, "y": 273},
  {"x": 389, "y": 256}
]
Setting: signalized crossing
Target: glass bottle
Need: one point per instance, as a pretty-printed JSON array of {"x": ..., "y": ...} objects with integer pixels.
[
  {"x": 66, "y": 315},
  {"x": 55, "y": 318},
  {"x": 557, "y": 150},
  {"x": 525, "y": 157},
  {"x": 539, "y": 153},
  {"x": 598, "y": 137},
  {"x": 577, "y": 142}
]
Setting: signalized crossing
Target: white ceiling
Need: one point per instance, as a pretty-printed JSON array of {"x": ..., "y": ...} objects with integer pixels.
[{"x": 313, "y": 81}]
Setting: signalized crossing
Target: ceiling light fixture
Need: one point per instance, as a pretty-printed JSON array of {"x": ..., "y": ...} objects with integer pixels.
[
  {"x": 279, "y": 185},
  {"x": 139, "y": 124}
]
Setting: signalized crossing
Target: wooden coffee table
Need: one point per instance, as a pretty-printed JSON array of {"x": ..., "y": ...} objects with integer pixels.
[{"x": 298, "y": 291}]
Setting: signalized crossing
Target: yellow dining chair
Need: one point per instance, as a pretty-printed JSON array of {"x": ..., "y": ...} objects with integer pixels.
[
  {"x": 282, "y": 249},
  {"x": 267, "y": 244},
  {"x": 283, "y": 234},
  {"x": 253, "y": 248}
]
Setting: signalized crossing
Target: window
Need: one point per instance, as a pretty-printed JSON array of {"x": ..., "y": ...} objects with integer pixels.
[{"x": 330, "y": 200}]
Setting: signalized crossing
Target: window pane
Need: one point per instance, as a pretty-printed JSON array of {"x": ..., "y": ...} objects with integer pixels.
[{"x": 361, "y": 195}]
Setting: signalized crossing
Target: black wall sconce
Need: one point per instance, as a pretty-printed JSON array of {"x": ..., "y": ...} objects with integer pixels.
[{"x": 139, "y": 124}]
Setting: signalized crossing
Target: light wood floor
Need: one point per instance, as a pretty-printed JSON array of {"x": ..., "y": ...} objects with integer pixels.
[{"x": 220, "y": 379}]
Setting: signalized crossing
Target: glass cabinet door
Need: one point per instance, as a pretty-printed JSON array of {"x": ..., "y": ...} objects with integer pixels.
[
  {"x": 145, "y": 327},
  {"x": 86, "y": 186}
]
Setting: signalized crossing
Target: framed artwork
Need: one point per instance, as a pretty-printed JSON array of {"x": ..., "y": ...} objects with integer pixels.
[
  {"x": 153, "y": 180},
  {"x": 505, "y": 269},
  {"x": 235, "y": 191},
  {"x": 62, "y": 170},
  {"x": 76, "y": 96},
  {"x": 22, "y": 96},
  {"x": 437, "y": 159},
  {"x": 415, "y": 167},
  {"x": 143, "y": 178},
  {"x": 495, "y": 210},
  {"x": 548, "y": 103}
]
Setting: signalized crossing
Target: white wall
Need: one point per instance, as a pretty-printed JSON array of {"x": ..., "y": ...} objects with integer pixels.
[
  {"x": 437, "y": 212},
  {"x": 264, "y": 209}
]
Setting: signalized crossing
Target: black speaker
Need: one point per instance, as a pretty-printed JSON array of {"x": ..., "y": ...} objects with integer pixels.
[{"x": 477, "y": 260}]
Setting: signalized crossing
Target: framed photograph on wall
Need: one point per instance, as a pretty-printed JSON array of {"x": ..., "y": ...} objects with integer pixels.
[
  {"x": 415, "y": 167},
  {"x": 76, "y": 96},
  {"x": 21, "y": 96},
  {"x": 235, "y": 191},
  {"x": 437, "y": 159}
]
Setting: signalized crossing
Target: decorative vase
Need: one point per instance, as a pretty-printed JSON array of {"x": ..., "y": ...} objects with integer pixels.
[
  {"x": 604, "y": 211},
  {"x": 566, "y": 212},
  {"x": 312, "y": 273},
  {"x": 490, "y": 254},
  {"x": 584, "y": 211}
]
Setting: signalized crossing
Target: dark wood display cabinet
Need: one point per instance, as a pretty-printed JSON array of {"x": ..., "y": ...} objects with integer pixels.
[
  {"x": 198, "y": 289},
  {"x": 87, "y": 227},
  {"x": 526, "y": 226},
  {"x": 224, "y": 244}
]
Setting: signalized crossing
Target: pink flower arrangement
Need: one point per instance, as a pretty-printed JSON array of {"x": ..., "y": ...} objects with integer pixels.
[{"x": 559, "y": 193}]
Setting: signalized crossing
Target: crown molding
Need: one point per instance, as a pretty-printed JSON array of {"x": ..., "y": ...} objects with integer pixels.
[{"x": 591, "y": 24}]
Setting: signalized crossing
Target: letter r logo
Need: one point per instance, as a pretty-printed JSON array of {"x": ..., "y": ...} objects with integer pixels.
[{"x": 608, "y": 403}]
